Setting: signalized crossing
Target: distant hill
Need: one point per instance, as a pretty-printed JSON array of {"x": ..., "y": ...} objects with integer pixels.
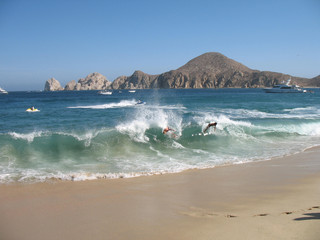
[
  {"x": 306, "y": 82},
  {"x": 209, "y": 70},
  {"x": 212, "y": 63}
]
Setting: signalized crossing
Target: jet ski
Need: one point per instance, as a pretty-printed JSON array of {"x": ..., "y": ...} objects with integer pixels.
[
  {"x": 32, "y": 110},
  {"x": 140, "y": 102}
]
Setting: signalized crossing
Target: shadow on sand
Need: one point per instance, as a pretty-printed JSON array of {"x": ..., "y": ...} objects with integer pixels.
[{"x": 309, "y": 216}]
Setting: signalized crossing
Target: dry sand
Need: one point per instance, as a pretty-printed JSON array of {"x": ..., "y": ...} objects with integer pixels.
[{"x": 276, "y": 199}]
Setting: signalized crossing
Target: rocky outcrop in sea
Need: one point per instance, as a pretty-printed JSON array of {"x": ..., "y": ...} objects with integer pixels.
[
  {"x": 94, "y": 81},
  {"x": 52, "y": 84}
]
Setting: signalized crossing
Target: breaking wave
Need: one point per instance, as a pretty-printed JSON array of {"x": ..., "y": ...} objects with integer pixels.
[{"x": 121, "y": 138}]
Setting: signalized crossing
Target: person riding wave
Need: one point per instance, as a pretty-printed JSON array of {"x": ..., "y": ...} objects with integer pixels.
[{"x": 214, "y": 124}]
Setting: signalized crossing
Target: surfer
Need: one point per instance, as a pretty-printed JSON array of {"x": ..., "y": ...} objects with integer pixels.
[
  {"x": 214, "y": 124},
  {"x": 167, "y": 129}
]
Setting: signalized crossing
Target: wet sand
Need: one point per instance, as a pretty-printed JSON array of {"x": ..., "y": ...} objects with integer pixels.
[{"x": 276, "y": 199}]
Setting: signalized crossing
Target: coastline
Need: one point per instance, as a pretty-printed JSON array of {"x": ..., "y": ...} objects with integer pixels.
[{"x": 273, "y": 199}]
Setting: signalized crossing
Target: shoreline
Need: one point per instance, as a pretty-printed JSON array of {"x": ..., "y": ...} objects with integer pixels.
[
  {"x": 268, "y": 199},
  {"x": 114, "y": 176}
]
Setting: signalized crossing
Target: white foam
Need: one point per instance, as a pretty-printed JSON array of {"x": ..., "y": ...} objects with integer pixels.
[
  {"x": 121, "y": 104},
  {"x": 159, "y": 154},
  {"x": 27, "y": 136},
  {"x": 145, "y": 118},
  {"x": 168, "y": 107},
  {"x": 295, "y": 113},
  {"x": 303, "y": 110},
  {"x": 177, "y": 145},
  {"x": 200, "y": 151},
  {"x": 307, "y": 129},
  {"x": 86, "y": 136},
  {"x": 135, "y": 129}
]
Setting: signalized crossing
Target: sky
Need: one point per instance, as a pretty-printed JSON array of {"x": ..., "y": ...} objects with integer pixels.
[{"x": 69, "y": 39}]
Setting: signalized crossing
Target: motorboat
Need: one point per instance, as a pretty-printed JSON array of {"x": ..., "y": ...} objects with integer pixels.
[
  {"x": 2, "y": 91},
  {"x": 132, "y": 91},
  {"x": 105, "y": 92},
  {"x": 285, "y": 88}
]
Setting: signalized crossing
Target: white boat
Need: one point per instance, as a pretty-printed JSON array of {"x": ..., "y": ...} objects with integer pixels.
[
  {"x": 105, "y": 92},
  {"x": 132, "y": 91},
  {"x": 285, "y": 88},
  {"x": 2, "y": 91}
]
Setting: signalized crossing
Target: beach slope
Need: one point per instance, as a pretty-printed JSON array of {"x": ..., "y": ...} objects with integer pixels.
[{"x": 275, "y": 199}]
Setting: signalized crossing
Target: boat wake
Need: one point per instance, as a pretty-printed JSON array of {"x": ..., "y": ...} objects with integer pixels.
[{"x": 121, "y": 104}]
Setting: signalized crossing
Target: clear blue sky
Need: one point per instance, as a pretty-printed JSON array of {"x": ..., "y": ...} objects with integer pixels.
[{"x": 67, "y": 39}]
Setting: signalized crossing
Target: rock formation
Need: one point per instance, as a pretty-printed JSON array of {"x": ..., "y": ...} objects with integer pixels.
[
  {"x": 138, "y": 80},
  {"x": 94, "y": 81},
  {"x": 52, "y": 84},
  {"x": 209, "y": 70},
  {"x": 70, "y": 86}
]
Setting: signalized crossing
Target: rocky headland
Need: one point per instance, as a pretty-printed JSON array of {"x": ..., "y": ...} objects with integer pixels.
[{"x": 209, "y": 70}]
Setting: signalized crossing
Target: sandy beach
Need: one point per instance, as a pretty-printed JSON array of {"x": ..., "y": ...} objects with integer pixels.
[{"x": 275, "y": 199}]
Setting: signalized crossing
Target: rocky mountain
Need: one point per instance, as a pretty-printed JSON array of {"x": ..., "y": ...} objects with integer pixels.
[
  {"x": 94, "y": 81},
  {"x": 313, "y": 82},
  {"x": 209, "y": 70},
  {"x": 52, "y": 84}
]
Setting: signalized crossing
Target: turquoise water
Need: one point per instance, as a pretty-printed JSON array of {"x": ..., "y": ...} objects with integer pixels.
[{"x": 84, "y": 135}]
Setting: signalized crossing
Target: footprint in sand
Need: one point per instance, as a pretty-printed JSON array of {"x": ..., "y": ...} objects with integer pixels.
[
  {"x": 314, "y": 207},
  {"x": 287, "y": 213},
  {"x": 199, "y": 212},
  {"x": 261, "y": 215}
]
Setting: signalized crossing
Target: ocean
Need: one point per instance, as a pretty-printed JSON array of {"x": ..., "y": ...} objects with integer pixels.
[{"x": 82, "y": 135}]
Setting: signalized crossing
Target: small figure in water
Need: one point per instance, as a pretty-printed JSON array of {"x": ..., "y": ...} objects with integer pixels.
[
  {"x": 214, "y": 124},
  {"x": 32, "y": 108},
  {"x": 139, "y": 102},
  {"x": 167, "y": 129}
]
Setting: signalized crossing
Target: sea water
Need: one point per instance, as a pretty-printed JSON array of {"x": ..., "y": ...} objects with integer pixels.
[{"x": 81, "y": 135}]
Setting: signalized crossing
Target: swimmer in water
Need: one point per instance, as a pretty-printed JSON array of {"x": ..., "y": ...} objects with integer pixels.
[
  {"x": 167, "y": 129},
  {"x": 214, "y": 124}
]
